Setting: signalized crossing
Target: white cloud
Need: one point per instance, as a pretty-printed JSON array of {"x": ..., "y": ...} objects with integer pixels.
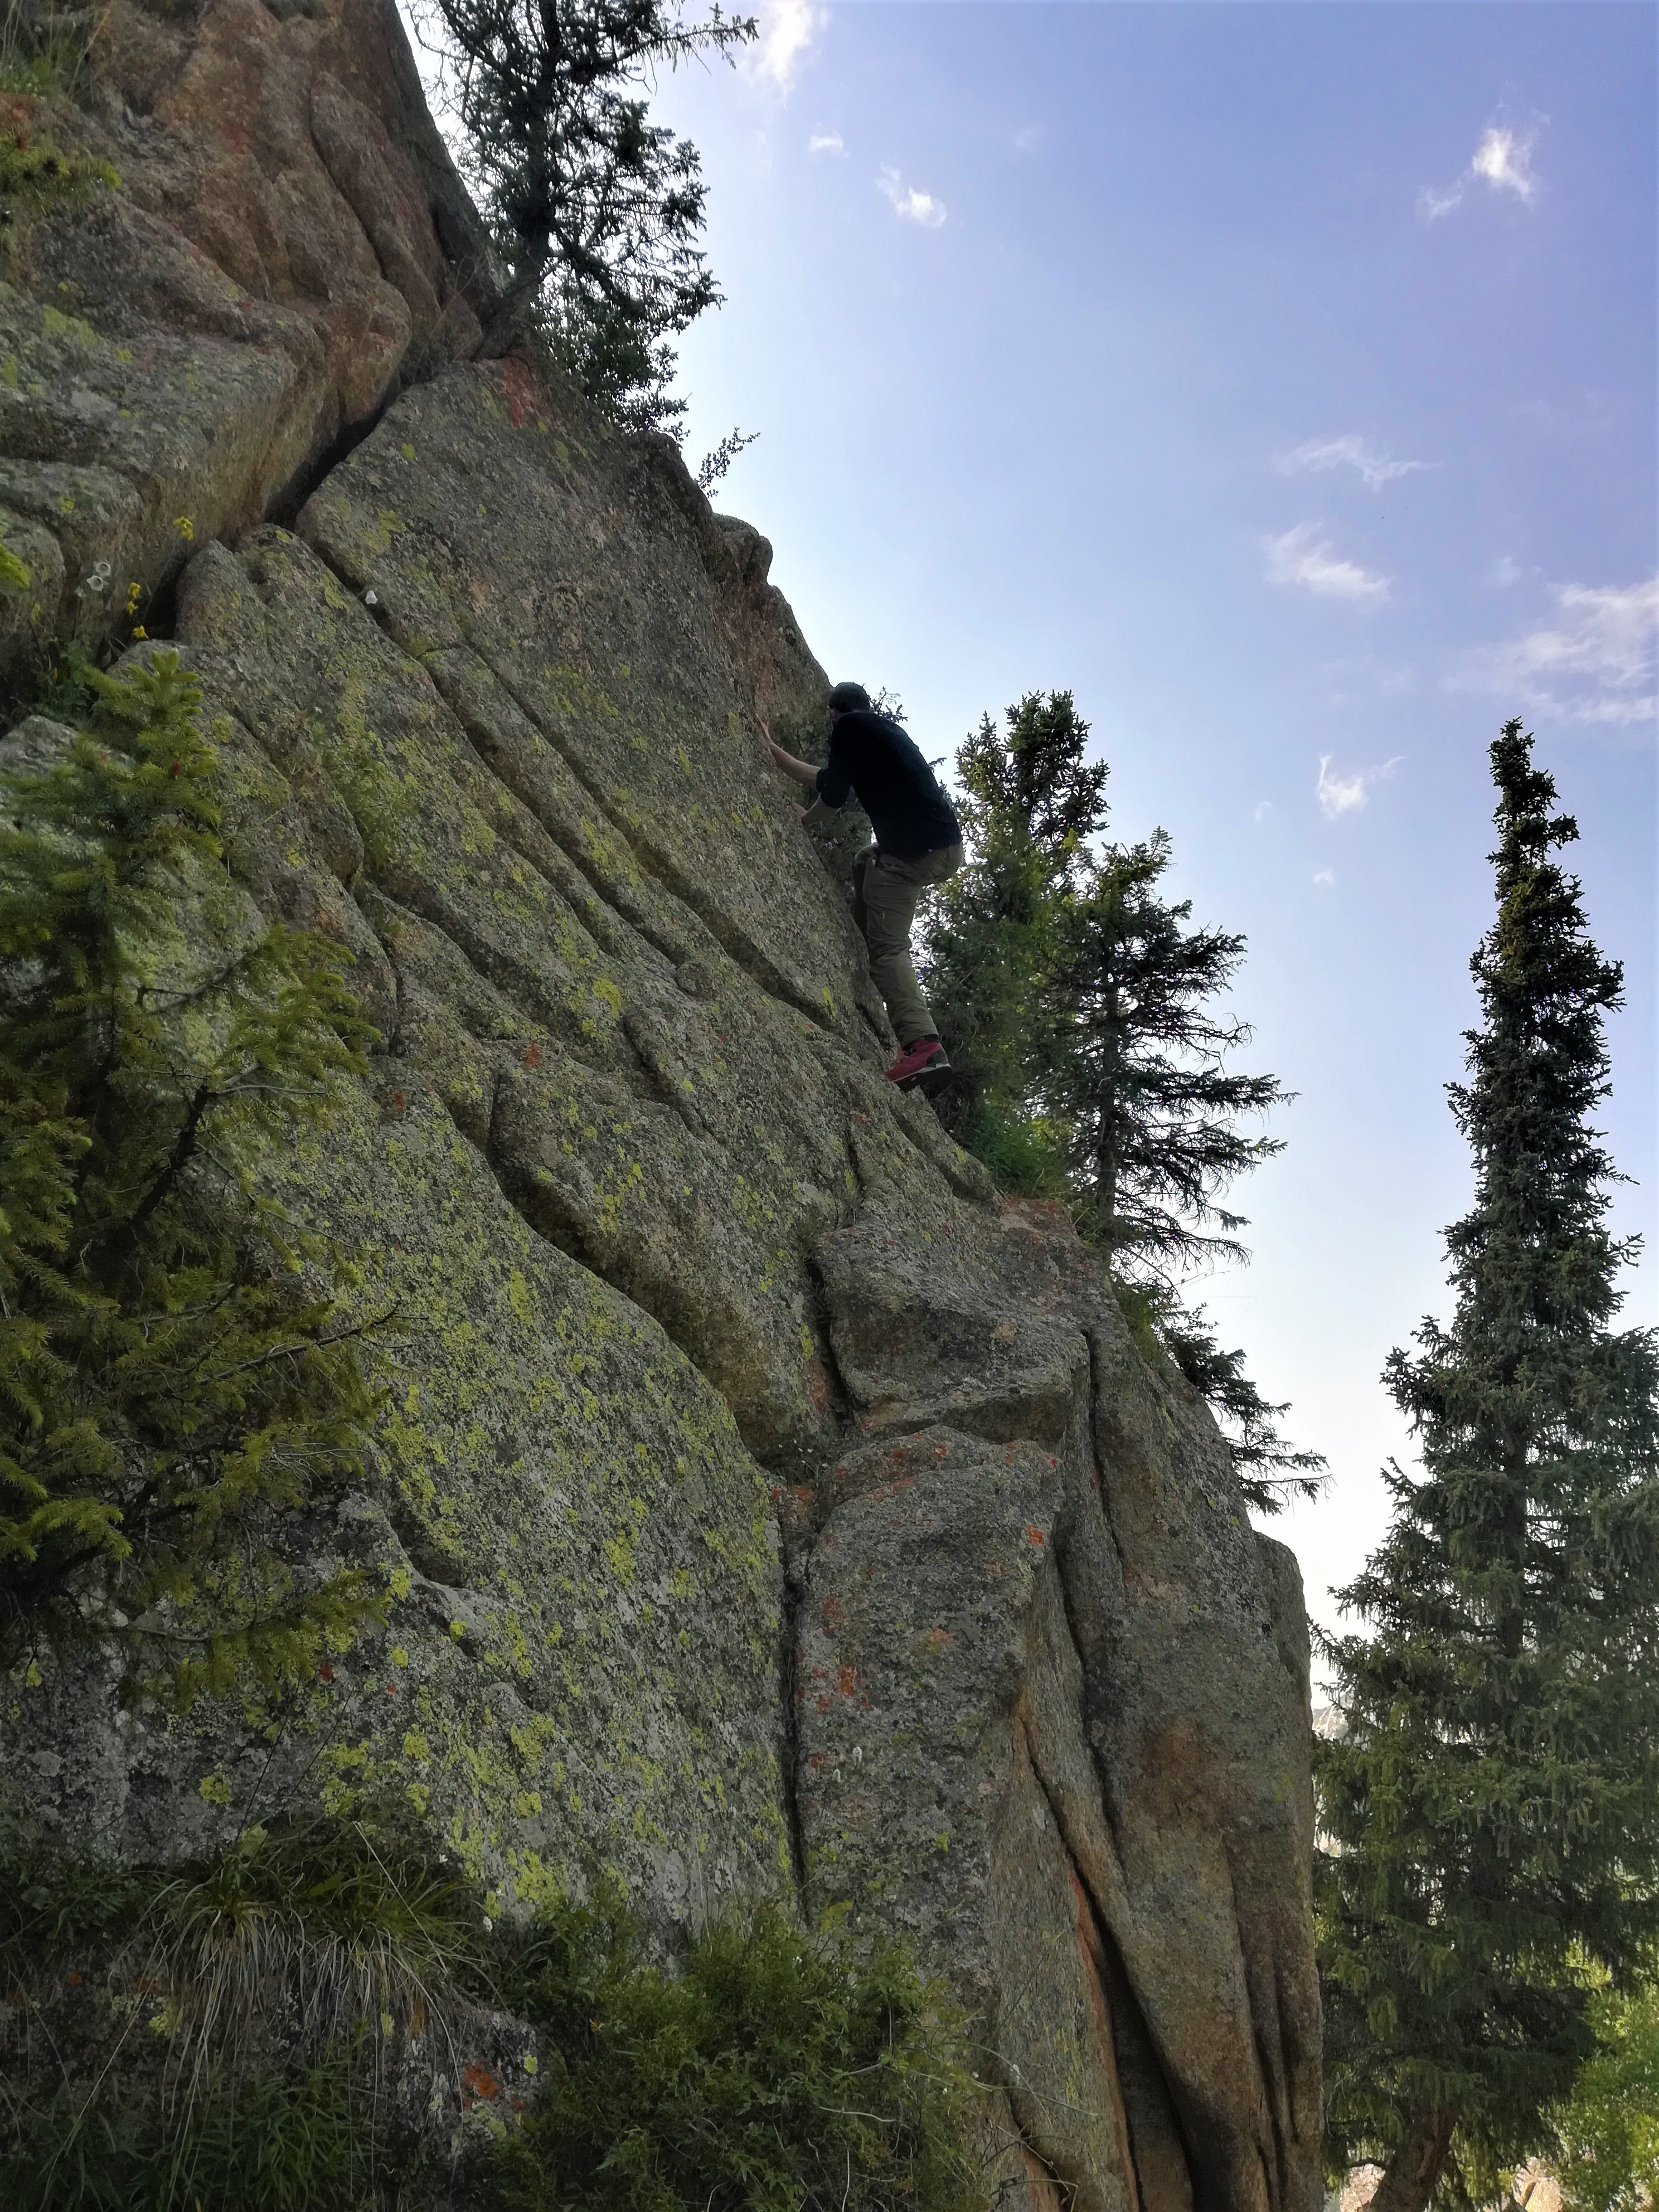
[
  {"x": 1505, "y": 571},
  {"x": 1026, "y": 139},
  {"x": 1324, "y": 879},
  {"x": 1349, "y": 794},
  {"x": 788, "y": 28},
  {"x": 826, "y": 142},
  {"x": 1503, "y": 162},
  {"x": 1503, "y": 158},
  {"x": 1264, "y": 807},
  {"x": 906, "y": 200},
  {"x": 1301, "y": 555},
  {"x": 1350, "y": 453},
  {"x": 1594, "y": 664}
]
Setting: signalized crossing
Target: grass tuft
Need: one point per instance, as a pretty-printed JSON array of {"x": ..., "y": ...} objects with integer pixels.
[{"x": 218, "y": 2033}]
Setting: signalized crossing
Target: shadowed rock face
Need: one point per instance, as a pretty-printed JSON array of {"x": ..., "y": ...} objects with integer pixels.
[{"x": 765, "y": 1510}]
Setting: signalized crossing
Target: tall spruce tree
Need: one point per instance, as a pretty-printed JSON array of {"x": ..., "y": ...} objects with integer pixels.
[
  {"x": 1151, "y": 1111},
  {"x": 1491, "y": 1807}
]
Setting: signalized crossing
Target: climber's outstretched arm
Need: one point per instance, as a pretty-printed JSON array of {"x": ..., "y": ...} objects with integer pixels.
[{"x": 803, "y": 771}]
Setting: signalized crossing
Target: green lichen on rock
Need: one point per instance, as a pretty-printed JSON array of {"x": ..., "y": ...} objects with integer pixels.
[{"x": 15, "y": 574}]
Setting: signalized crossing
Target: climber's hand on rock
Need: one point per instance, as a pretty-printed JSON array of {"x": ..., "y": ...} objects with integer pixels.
[{"x": 803, "y": 771}]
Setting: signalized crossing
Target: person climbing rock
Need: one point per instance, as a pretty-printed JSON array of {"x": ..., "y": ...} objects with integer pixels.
[{"x": 918, "y": 842}]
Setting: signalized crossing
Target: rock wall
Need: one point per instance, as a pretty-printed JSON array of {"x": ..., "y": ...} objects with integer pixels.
[{"x": 766, "y": 1509}]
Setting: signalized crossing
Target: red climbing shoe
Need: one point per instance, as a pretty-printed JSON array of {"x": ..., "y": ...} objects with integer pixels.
[{"x": 926, "y": 1057}]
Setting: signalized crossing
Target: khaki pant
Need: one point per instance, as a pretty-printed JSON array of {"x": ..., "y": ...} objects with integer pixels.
[{"x": 887, "y": 893}]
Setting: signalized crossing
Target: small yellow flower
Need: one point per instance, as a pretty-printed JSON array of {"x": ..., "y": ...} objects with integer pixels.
[
  {"x": 138, "y": 630},
  {"x": 184, "y": 526},
  {"x": 135, "y": 592}
]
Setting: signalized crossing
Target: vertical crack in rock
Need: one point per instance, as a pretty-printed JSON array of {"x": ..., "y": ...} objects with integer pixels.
[
  {"x": 789, "y": 1675},
  {"x": 1157, "y": 2163},
  {"x": 1103, "y": 1489}
]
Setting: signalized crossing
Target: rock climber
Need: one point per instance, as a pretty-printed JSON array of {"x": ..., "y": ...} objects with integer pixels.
[{"x": 918, "y": 842}]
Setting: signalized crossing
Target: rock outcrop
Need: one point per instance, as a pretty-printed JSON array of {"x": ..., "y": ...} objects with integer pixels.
[{"x": 766, "y": 1509}]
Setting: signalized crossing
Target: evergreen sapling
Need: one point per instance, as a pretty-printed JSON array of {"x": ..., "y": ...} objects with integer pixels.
[{"x": 175, "y": 1372}]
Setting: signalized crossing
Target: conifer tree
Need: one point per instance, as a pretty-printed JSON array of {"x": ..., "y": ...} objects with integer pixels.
[
  {"x": 1491, "y": 1807},
  {"x": 595, "y": 210},
  {"x": 1090, "y": 1064},
  {"x": 172, "y": 1375},
  {"x": 1271, "y": 1470},
  {"x": 1150, "y": 1105},
  {"x": 1029, "y": 802}
]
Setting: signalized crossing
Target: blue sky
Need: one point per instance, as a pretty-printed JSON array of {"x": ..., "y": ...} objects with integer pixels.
[{"x": 1279, "y": 379}]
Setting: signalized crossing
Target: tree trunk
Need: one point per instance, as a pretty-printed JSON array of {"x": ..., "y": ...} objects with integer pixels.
[{"x": 1414, "y": 2169}]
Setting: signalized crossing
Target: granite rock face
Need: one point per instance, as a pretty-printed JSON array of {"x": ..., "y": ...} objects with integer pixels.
[
  {"x": 288, "y": 243},
  {"x": 765, "y": 1508}
]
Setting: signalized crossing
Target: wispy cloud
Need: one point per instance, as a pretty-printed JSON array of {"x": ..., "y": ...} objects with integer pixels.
[
  {"x": 1348, "y": 452},
  {"x": 1301, "y": 555},
  {"x": 1503, "y": 158},
  {"x": 1594, "y": 663},
  {"x": 905, "y": 200},
  {"x": 1324, "y": 879},
  {"x": 1264, "y": 807},
  {"x": 826, "y": 142},
  {"x": 1502, "y": 162},
  {"x": 1349, "y": 794},
  {"x": 788, "y": 28},
  {"x": 1505, "y": 571},
  {"x": 1026, "y": 139}
]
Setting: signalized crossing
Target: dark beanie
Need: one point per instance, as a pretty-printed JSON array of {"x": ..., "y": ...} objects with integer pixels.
[{"x": 847, "y": 696}]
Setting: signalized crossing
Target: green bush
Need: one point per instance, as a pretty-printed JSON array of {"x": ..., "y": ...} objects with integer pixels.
[
  {"x": 173, "y": 1379},
  {"x": 773, "y": 2073},
  {"x": 224, "y": 2046},
  {"x": 44, "y": 52},
  {"x": 1609, "y": 2127},
  {"x": 1025, "y": 1153},
  {"x": 55, "y": 680}
]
